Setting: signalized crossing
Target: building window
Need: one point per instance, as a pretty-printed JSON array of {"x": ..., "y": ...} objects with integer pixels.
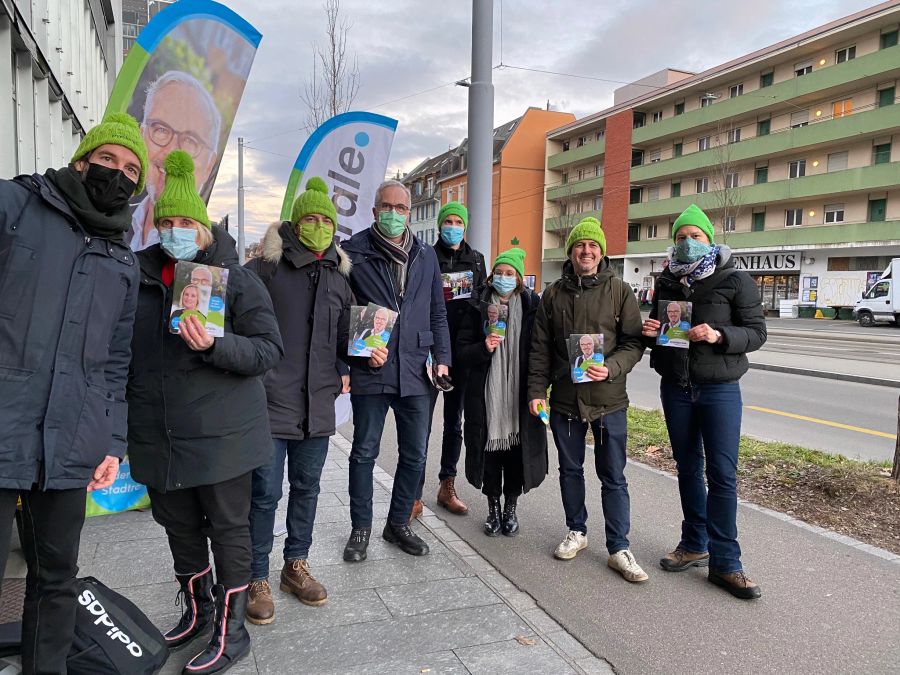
[
  {"x": 845, "y": 54},
  {"x": 734, "y": 135},
  {"x": 834, "y": 213},
  {"x": 763, "y": 127},
  {"x": 706, "y": 101},
  {"x": 762, "y": 174},
  {"x": 732, "y": 180},
  {"x": 676, "y": 189},
  {"x": 679, "y": 108},
  {"x": 565, "y": 146},
  {"x": 758, "y": 224},
  {"x": 565, "y": 178},
  {"x": 598, "y": 170},
  {"x": 837, "y": 161},
  {"x": 581, "y": 141},
  {"x": 652, "y": 231},
  {"x": 797, "y": 168},
  {"x": 702, "y": 185},
  {"x": 766, "y": 79},
  {"x": 799, "y": 119},
  {"x": 736, "y": 90},
  {"x": 634, "y": 232},
  {"x": 881, "y": 153},
  {"x": 889, "y": 39},
  {"x": 654, "y": 156},
  {"x": 886, "y": 97},
  {"x": 877, "y": 210},
  {"x": 418, "y": 190},
  {"x": 598, "y": 203},
  {"x": 563, "y": 208},
  {"x": 793, "y": 217},
  {"x": 677, "y": 149},
  {"x": 657, "y": 116},
  {"x": 703, "y": 143},
  {"x": 579, "y": 207},
  {"x": 804, "y": 68},
  {"x": 729, "y": 224},
  {"x": 601, "y": 134},
  {"x": 639, "y": 120},
  {"x": 637, "y": 157},
  {"x": 462, "y": 194},
  {"x": 580, "y": 175},
  {"x": 653, "y": 193},
  {"x": 636, "y": 195},
  {"x": 841, "y": 108}
]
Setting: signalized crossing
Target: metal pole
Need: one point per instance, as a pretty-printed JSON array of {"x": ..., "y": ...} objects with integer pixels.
[
  {"x": 241, "y": 200},
  {"x": 481, "y": 128}
]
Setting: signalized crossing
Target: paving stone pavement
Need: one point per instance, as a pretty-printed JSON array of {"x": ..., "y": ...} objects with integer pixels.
[{"x": 449, "y": 612}]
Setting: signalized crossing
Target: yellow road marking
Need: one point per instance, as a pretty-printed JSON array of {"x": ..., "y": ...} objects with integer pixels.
[{"x": 827, "y": 423}]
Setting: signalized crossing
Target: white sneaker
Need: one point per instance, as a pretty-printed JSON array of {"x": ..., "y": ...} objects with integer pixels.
[
  {"x": 624, "y": 563},
  {"x": 570, "y": 546}
]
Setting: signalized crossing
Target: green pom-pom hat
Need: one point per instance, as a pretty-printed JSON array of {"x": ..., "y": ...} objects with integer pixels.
[
  {"x": 116, "y": 129},
  {"x": 588, "y": 229},
  {"x": 693, "y": 215},
  {"x": 514, "y": 257},
  {"x": 179, "y": 197},
  {"x": 314, "y": 200},
  {"x": 453, "y": 209}
]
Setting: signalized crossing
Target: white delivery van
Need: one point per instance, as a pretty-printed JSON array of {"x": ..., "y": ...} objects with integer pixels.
[{"x": 881, "y": 303}]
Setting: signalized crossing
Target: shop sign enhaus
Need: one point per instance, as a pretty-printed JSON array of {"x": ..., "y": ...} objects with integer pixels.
[{"x": 768, "y": 262}]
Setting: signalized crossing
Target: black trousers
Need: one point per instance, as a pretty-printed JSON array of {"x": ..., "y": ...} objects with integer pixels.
[
  {"x": 219, "y": 514},
  {"x": 503, "y": 473},
  {"x": 52, "y": 523}
]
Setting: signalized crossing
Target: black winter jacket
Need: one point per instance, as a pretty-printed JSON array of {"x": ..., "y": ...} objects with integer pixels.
[
  {"x": 464, "y": 259},
  {"x": 472, "y": 350},
  {"x": 728, "y": 300},
  {"x": 312, "y": 301},
  {"x": 67, "y": 303},
  {"x": 199, "y": 418}
]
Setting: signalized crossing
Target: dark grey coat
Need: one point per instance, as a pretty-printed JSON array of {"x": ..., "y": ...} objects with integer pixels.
[
  {"x": 67, "y": 303},
  {"x": 199, "y": 418}
]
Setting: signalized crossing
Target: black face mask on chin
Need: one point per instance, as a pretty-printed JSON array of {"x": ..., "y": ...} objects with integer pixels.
[{"x": 108, "y": 189}]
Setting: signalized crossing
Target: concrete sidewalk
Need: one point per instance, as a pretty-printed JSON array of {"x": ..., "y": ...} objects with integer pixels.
[{"x": 447, "y": 612}]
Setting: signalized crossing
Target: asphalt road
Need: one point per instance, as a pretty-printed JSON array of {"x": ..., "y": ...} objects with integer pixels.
[{"x": 827, "y": 608}]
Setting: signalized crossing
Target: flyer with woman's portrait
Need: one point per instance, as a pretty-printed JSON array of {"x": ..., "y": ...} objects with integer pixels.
[
  {"x": 495, "y": 317},
  {"x": 585, "y": 350},
  {"x": 675, "y": 316},
  {"x": 370, "y": 328},
  {"x": 199, "y": 290}
]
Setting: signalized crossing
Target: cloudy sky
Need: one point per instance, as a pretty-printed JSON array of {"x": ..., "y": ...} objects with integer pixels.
[{"x": 414, "y": 50}]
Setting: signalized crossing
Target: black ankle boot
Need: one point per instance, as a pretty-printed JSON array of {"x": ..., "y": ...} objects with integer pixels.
[
  {"x": 197, "y": 607},
  {"x": 230, "y": 640},
  {"x": 492, "y": 524},
  {"x": 405, "y": 538},
  {"x": 355, "y": 550},
  {"x": 510, "y": 525}
]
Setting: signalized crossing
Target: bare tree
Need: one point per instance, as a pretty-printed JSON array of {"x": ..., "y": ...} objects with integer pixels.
[
  {"x": 727, "y": 191},
  {"x": 335, "y": 77}
]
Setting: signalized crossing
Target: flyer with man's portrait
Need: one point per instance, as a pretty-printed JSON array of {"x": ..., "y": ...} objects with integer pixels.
[
  {"x": 199, "y": 290},
  {"x": 370, "y": 328},
  {"x": 585, "y": 350},
  {"x": 495, "y": 316},
  {"x": 675, "y": 319}
]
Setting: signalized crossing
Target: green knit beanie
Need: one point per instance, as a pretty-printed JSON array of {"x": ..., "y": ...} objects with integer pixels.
[
  {"x": 314, "y": 200},
  {"x": 179, "y": 197},
  {"x": 453, "y": 209},
  {"x": 514, "y": 257},
  {"x": 588, "y": 228},
  {"x": 693, "y": 215},
  {"x": 116, "y": 129}
]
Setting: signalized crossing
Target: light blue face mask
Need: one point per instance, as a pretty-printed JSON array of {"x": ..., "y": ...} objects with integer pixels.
[
  {"x": 452, "y": 234},
  {"x": 179, "y": 242},
  {"x": 503, "y": 285},
  {"x": 690, "y": 250}
]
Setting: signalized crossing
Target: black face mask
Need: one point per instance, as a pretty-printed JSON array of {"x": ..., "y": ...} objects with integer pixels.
[{"x": 108, "y": 189}]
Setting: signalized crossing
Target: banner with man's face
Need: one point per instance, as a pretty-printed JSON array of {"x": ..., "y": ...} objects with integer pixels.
[
  {"x": 183, "y": 81},
  {"x": 350, "y": 153}
]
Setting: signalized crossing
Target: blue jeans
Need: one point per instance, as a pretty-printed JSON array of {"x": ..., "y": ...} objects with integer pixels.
[
  {"x": 610, "y": 434},
  {"x": 704, "y": 421},
  {"x": 305, "y": 460},
  {"x": 411, "y": 414},
  {"x": 452, "y": 440}
]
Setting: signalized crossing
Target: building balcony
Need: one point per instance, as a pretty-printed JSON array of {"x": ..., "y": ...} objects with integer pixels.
[
  {"x": 862, "y": 179},
  {"x": 567, "y": 222},
  {"x": 587, "y": 151},
  {"x": 791, "y": 238},
  {"x": 575, "y": 188},
  {"x": 554, "y": 254},
  {"x": 885, "y": 120},
  {"x": 869, "y": 68}
]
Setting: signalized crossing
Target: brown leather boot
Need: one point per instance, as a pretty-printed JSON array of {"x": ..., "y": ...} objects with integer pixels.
[
  {"x": 296, "y": 579},
  {"x": 447, "y": 498},
  {"x": 260, "y": 607},
  {"x": 418, "y": 506}
]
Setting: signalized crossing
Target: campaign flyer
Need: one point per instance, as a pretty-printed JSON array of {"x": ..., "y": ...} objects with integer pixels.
[
  {"x": 370, "y": 328},
  {"x": 199, "y": 290},
  {"x": 585, "y": 350},
  {"x": 675, "y": 316},
  {"x": 495, "y": 318},
  {"x": 459, "y": 285}
]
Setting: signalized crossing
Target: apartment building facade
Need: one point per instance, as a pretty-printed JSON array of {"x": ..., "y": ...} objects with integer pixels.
[
  {"x": 793, "y": 150},
  {"x": 422, "y": 182},
  {"x": 59, "y": 61}
]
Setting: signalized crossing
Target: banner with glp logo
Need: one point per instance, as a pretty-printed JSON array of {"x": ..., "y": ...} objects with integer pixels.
[
  {"x": 350, "y": 153},
  {"x": 183, "y": 80}
]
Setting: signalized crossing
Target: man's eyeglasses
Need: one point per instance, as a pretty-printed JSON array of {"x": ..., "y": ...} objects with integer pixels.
[
  {"x": 162, "y": 134},
  {"x": 401, "y": 209}
]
